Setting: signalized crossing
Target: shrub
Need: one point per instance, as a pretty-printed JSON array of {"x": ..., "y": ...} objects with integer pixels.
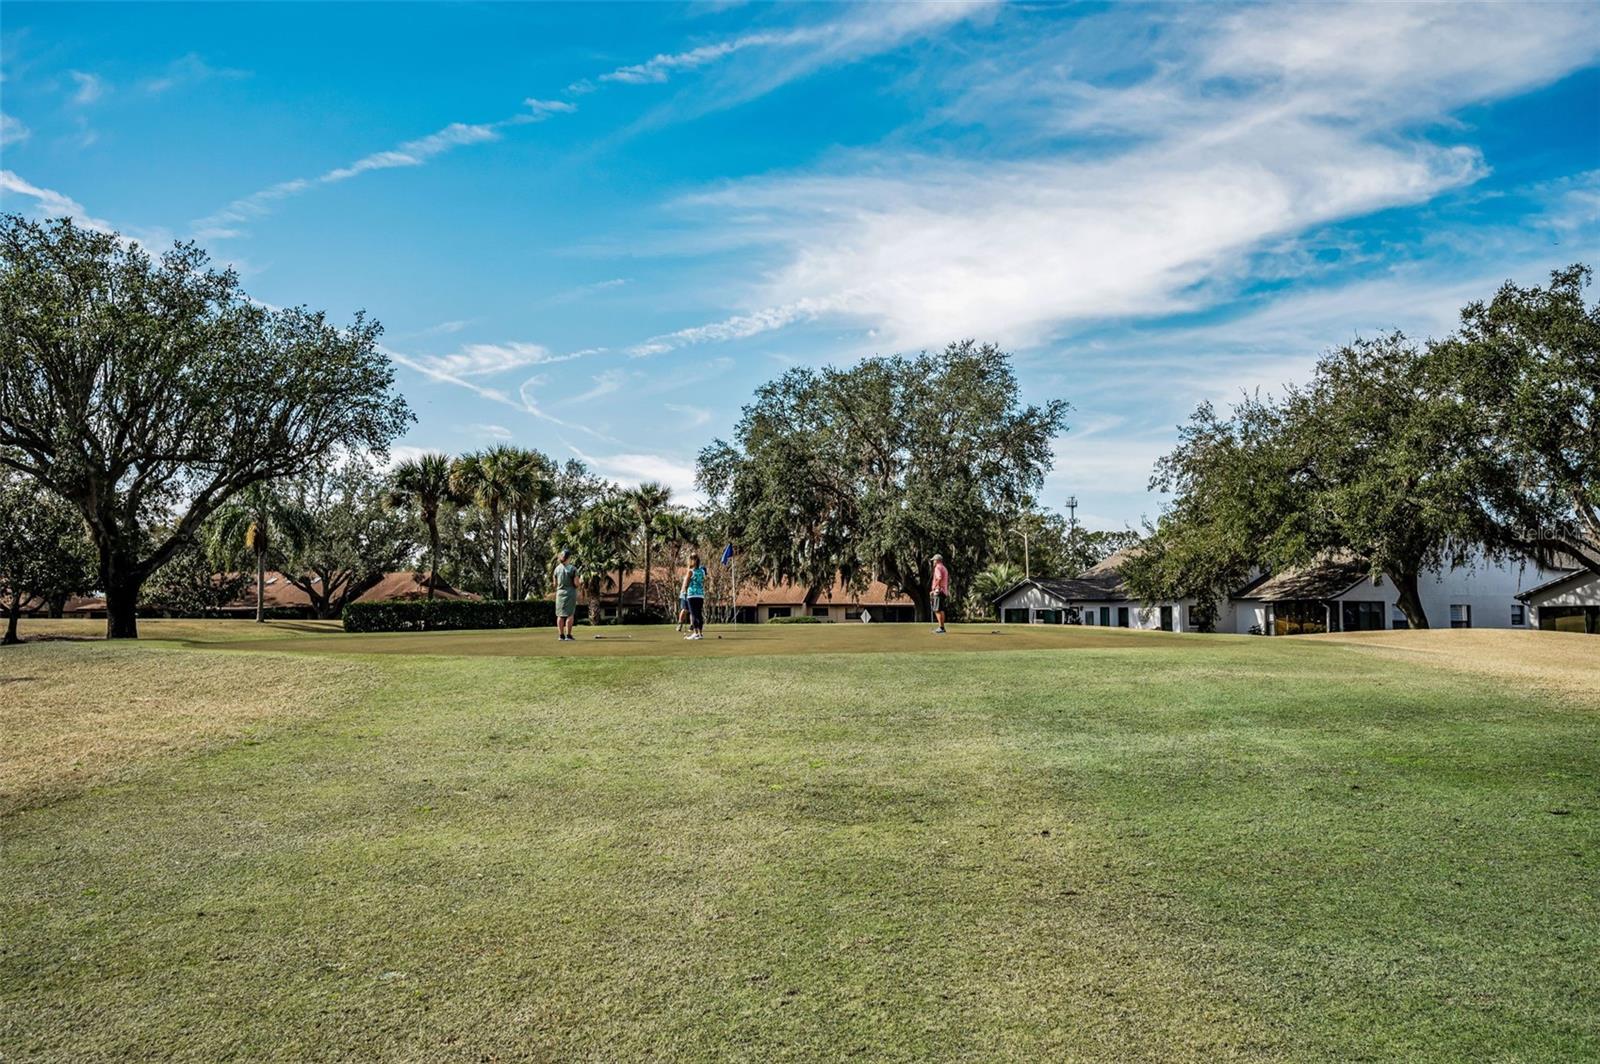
[
  {"x": 441, "y": 615},
  {"x": 804, "y": 618}
]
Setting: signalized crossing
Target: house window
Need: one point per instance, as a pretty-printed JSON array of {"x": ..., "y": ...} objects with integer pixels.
[
  {"x": 1519, "y": 616},
  {"x": 1166, "y": 618},
  {"x": 1397, "y": 619},
  {"x": 1015, "y": 616},
  {"x": 1045, "y": 617},
  {"x": 1362, "y": 616},
  {"x": 1585, "y": 619},
  {"x": 820, "y": 611},
  {"x": 1461, "y": 616},
  {"x": 852, "y": 615},
  {"x": 1299, "y": 617},
  {"x": 777, "y": 611},
  {"x": 1105, "y": 616},
  {"x": 1122, "y": 616}
]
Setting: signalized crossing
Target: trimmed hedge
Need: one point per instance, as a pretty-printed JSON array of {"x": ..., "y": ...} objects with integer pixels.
[
  {"x": 442, "y": 615},
  {"x": 804, "y": 618}
]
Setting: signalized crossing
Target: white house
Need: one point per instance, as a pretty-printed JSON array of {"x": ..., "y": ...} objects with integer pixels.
[
  {"x": 1096, "y": 596},
  {"x": 1569, "y": 602},
  {"x": 1337, "y": 594}
]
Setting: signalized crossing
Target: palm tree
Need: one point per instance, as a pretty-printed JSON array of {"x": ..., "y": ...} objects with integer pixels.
[
  {"x": 613, "y": 519},
  {"x": 647, "y": 501},
  {"x": 486, "y": 478},
  {"x": 676, "y": 529},
  {"x": 422, "y": 485},
  {"x": 528, "y": 487},
  {"x": 997, "y": 577},
  {"x": 597, "y": 536},
  {"x": 252, "y": 524}
]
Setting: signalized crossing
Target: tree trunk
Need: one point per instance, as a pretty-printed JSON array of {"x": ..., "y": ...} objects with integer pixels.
[
  {"x": 1408, "y": 599},
  {"x": 261, "y": 586},
  {"x": 921, "y": 601},
  {"x": 433, "y": 556},
  {"x": 57, "y": 606},
  {"x": 647, "y": 567},
  {"x": 619, "y": 594},
  {"x": 494, "y": 525},
  {"x": 511, "y": 552},
  {"x": 122, "y": 607},
  {"x": 12, "y": 613}
]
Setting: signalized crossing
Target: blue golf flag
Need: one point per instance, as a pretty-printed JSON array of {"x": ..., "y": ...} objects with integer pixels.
[{"x": 727, "y": 555}]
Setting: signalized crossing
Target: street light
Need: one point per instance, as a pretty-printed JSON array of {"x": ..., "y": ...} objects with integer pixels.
[{"x": 1027, "y": 571}]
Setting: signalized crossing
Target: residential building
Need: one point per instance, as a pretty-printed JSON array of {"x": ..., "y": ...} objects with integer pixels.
[
  {"x": 1567, "y": 602},
  {"x": 1096, "y": 596},
  {"x": 1337, "y": 594}
]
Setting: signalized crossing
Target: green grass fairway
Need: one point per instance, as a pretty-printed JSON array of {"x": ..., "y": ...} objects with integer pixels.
[{"x": 233, "y": 842}]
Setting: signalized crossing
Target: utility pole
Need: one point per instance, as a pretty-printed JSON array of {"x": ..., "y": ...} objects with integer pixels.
[
  {"x": 1027, "y": 569},
  {"x": 1072, "y": 525}
]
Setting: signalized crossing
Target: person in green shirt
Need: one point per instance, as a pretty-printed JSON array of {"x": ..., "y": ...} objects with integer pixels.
[{"x": 566, "y": 581}]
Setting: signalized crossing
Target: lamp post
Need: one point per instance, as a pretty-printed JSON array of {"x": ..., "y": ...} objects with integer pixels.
[
  {"x": 1027, "y": 570},
  {"x": 1072, "y": 524}
]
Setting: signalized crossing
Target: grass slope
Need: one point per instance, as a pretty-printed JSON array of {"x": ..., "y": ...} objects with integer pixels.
[{"x": 1161, "y": 849}]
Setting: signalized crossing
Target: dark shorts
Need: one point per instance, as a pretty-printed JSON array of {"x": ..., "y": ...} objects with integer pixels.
[
  {"x": 938, "y": 601},
  {"x": 697, "y": 612}
]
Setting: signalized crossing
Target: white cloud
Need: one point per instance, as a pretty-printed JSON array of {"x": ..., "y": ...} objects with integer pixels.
[
  {"x": 484, "y": 360},
  {"x": 12, "y": 131},
  {"x": 738, "y": 327},
  {"x": 692, "y": 416},
  {"x": 874, "y": 28},
  {"x": 496, "y": 432},
  {"x": 90, "y": 87},
  {"x": 787, "y": 55},
  {"x": 1202, "y": 173},
  {"x": 415, "y": 152},
  {"x": 225, "y": 222},
  {"x": 50, "y": 203},
  {"x": 188, "y": 70},
  {"x": 608, "y": 382},
  {"x": 539, "y": 109},
  {"x": 404, "y": 452},
  {"x": 631, "y": 469},
  {"x": 656, "y": 70}
]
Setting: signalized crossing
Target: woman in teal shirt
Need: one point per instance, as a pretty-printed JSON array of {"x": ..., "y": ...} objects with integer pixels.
[{"x": 694, "y": 589}]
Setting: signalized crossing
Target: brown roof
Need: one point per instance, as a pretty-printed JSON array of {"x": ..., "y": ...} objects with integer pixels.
[
  {"x": 1325, "y": 578},
  {"x": 278, "y": 594},
  {"x": 410, "y": 584}
]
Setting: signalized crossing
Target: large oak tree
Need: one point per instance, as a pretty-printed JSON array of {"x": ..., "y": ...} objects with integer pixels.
[
  {"x": 1525, "y": 367},
  {"x": 868, "y": 471},
  {"x": 143, "y": 389}
]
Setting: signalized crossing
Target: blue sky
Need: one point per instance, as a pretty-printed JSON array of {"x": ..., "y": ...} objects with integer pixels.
[{"x": 595, "y": 229}]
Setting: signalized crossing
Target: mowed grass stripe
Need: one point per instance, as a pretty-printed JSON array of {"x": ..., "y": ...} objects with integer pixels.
[{"x": 1106, "y": 854}]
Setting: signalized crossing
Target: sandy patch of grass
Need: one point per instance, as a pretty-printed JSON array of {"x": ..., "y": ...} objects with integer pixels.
[
  {"x": 1563, "y": 664},
  {"x": 76, "y": 715}
]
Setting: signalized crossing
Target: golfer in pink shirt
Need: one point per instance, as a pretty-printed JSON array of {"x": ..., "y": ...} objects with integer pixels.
[{"x": 941, "y": 591}]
